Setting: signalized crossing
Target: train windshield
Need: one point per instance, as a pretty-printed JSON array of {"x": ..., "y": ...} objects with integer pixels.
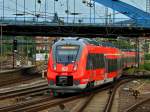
[{"x": 66, "y": 54}]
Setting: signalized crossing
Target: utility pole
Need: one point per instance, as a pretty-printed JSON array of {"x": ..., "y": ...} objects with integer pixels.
[
  {"x": 1, "y": 46},
  {"x": 16, "y": 12},
  {"x": 67, "y": 11},
  {"x": 24, "y": 10},
  {"x": 45, "y": 9},
  {"x": 90, "y": 11},
  {"x": 113, "y": 17},
  {"x": 138, "y": 52},
  {"x": 74, "y": 12},
  {"x": 106, "y": 16},
  {"x": 54, "y": 7},
  {"x": 14, "y": 51},
  {"x": 3, "y": 9},
  {"x": 94, "y": 11}
]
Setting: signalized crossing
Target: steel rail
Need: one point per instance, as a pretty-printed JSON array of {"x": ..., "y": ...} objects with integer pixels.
[
  {"x": 25, "y": 91},
  {"x": 86, "y": 102},
  {"x": 133, "y": 107},
  {"x": 112, "y": 94},
  {"x": 23, "y": 104},
  {"x": 38, "y": 105},
  {"x": 44, "y": 104},
  {"x": 17, "y": 80},
  {"x": 88, "y": 99}
]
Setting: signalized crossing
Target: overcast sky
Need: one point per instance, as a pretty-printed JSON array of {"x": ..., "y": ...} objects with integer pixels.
[{"x": 82, "y": 9}]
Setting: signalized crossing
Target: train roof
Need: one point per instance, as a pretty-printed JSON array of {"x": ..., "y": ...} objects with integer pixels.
[
  {"x": 94, "y": 42},
  {"x": 88, "y": 41}
]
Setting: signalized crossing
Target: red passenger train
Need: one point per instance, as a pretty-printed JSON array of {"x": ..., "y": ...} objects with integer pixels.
[{"x": 77, "y": 64}]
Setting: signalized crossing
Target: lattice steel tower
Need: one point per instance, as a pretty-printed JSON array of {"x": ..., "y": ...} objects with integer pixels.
[{"x": 148, "y": 6}]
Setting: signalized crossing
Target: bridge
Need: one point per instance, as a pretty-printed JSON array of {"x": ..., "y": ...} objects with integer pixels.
[{"x": 43, "y": 23}]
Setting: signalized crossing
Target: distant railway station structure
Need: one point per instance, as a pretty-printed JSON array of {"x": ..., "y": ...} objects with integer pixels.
[{"x": 94, "y": 18}]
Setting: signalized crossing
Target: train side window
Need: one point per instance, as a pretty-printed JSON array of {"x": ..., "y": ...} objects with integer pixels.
[
  {"x": 89, "y": 63},
  {"x": 120, "y": 63},
  {"x": 117, "y": 64},
  {"x": 109, "y": 65},
  {"x": 97, "y": 61},
  {"x": 112, "y": 65},
  {"x": 101, "y": 57},
  {"x": 94, "y": 61}
]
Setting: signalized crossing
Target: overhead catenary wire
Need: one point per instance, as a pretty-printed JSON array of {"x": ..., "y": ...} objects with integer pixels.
[
  {"x": 20, "y": 6},
  {"x": 94, "y": 13},
  {"x": 24, "y": 10}
]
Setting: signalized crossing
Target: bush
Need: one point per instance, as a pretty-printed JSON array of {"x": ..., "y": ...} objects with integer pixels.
[
  {"x": 147, "y": 66},
  {"x": 147, "y": 56}
]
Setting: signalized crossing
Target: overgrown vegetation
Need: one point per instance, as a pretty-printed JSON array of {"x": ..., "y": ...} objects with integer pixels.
[
  {"x": 146, "y": 66},
  {"x": 147, "y": 56}
]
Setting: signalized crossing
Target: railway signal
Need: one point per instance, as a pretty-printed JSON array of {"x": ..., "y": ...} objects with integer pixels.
[
  {"x": 14, "y": 51},
  {"x": 14, "y": 45}
]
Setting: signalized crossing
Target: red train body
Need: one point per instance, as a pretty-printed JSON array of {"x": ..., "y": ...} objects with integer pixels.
[{"x": 79, "y": 64}]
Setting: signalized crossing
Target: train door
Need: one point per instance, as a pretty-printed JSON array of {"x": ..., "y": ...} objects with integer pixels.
[
  {"x": 119, "y": 68},
  {"x": 106, "y": 67},
  {"x": 91, "y": 67}
]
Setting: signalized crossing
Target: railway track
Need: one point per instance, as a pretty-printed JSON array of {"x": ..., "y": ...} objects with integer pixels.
[
  {"x": 48, "y": 102},
  {"x": 37, "y": 105},
  {"x": 40, "y": 104},
  {"x": 17, "y": 80},
  {"x": 89, "y": 98},
  {"x": 15, "y": 107},
  {"x": 135, "y": 107},
  {"x": 112, "y": 95},
  {"x": 25, "y": 91},
  {"x": 109, "y": 98}
]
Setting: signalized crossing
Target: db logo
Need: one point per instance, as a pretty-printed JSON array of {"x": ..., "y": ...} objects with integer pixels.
[{"x": 64, "y": 69}]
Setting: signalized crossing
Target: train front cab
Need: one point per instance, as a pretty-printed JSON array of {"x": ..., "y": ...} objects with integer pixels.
[{"x": 66, "y": 68}]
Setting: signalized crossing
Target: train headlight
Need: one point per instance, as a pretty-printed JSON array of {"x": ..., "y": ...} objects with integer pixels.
[
  {"x": 75, "y": 67},
  {"x": 54, "y": 66}
]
